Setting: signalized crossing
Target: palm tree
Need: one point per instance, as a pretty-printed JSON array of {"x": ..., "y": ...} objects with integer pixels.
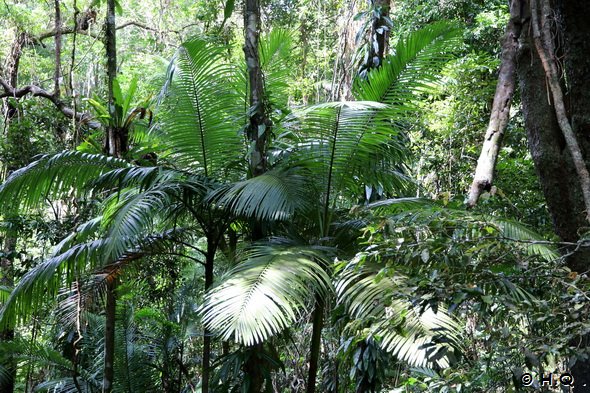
[
  {"x": 322, "y": 160},
  {"x": 338, "y": 149},
  {"x": 200, "y": 113}
]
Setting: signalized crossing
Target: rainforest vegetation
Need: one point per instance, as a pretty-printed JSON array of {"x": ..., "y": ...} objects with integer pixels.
[{"x": 294, "y": 196}]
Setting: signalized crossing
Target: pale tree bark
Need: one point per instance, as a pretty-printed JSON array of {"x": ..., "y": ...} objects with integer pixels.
[
  {"x": 58, "y": 28},
  {"x": 486, "y": 164},
  {"x": 9, "y": 85},
  {"x": 344, "y": 69}
]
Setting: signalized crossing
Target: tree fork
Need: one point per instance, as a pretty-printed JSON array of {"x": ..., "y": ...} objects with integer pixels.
[{"x": 500, "y": 115}]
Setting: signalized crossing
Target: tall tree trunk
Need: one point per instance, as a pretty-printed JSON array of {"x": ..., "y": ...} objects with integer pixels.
[
  {"x": 344, "y": 67},
  {"x": 113, "y": 145},
  {"x": 114, "y": 148},
  {"x": 57, "y": 39},
  {"x": 7, "y": 380},
  {"x": 109, "y": 336},
  {"x": 378, "y": 36},
  {"x": 258, "y": 130},
  {"x": 209, "y": 265},
  {"x": 259, "y": 124},
  {"x": 553, "y": 159},
  {"x": 486, "y": 164}
]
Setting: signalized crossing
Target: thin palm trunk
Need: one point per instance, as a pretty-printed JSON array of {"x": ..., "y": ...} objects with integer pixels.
[
  {"x": 113, "y": 148},
  {"x": 257, "y": 131},
  {"x": 316, "y": 341},
  {"x": 109, "y": 339},
  {"x": 206, "y": 364}
]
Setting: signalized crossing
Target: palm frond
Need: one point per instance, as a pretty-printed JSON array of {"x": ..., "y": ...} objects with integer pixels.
[
  {"x": 534, "y": 243},
  {"x": 54, "y": 176},
  {"x": 422, "y": 211},
  {"x": 43, "y": 282},
  {"x": 274, "y": 195},
  {"x": 264, "y": 294},
  {"x": 418, "y": 337},
  {"x": 349, "y": 145},
  {"x": 276, "y": 50},
  {"x": 148, "y": 196},
  {"x": 411, "y": 68},
  {"x": 4, "y": 292},
  {"x": 200, "y": 110}
]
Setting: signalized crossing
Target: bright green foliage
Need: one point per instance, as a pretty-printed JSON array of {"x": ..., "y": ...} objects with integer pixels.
[
  {"x": 202, "y": 113},
  {"x": 412, "y": 68},
  {"x": 419, "y": 294},
  {"x": 62, "y": 175},
  {"x": 265, "y": 294}
]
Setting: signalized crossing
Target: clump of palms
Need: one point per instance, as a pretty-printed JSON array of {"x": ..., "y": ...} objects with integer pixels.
[{"x": 322, "y": 159}]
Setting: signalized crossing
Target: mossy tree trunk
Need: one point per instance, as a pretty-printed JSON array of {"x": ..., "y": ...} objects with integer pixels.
[{"x": 552, "y": 155}]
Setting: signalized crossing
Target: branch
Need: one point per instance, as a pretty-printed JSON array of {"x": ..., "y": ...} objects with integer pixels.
[
  {"x": 78, "y": 30},
  {"x": 36, "y": 91},
  {"x": 484, "y": 172},
  {"x": 64, "y": 31},
  {"x": 546, "y": 51}
]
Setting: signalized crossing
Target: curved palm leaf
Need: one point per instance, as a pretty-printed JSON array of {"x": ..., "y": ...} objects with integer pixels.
[
  {"x": 534, "y": 244},
  {"x": 422, "y": 211},
  {"x": 265, "y": 294},
  {"x": 54, "y": 176},
  {"x": 417, "y": 337},
  {"x": 200, "y": 110},
  {"x": 412, "y": 67},
  {"x": 44, "y": 281},
  {"x": 148, "y": 196},
  {"x": 348, "y": 145},
  {"x": 276, "y": 50},
  {"x": 274, "y": 195}
]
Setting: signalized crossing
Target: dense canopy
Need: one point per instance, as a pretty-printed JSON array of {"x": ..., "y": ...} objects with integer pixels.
[{"x": 294, "y": 196}]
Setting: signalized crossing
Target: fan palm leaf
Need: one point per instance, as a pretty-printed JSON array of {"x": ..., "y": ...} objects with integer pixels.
[{"x": 264, "y": 294}]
